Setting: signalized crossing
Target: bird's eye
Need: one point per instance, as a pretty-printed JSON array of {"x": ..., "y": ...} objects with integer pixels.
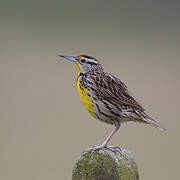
[{"x": 83, "y": 60}]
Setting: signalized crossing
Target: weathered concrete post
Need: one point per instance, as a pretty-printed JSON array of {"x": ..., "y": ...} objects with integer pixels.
[{"x": 105, "y": 165}]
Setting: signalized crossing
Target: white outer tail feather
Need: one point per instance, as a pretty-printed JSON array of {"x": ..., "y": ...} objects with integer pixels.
[
  {"x": 155, "y": 124},
  {"x": 149, "y": 120}
]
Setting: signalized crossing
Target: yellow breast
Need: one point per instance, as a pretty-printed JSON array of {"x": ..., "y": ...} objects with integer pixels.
[{"x": 86, "y": 100}]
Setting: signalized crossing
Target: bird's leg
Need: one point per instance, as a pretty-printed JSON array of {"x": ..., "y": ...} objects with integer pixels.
[
  {"x": 104, "y": 145},
  {"x": 117, "y": 125}
]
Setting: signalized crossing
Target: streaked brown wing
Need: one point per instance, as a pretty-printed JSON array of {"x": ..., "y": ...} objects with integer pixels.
[{"x": 110, "y": 88}]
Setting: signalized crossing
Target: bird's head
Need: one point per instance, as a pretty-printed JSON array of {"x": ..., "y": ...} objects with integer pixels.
[{"x": 84, "y": 63}]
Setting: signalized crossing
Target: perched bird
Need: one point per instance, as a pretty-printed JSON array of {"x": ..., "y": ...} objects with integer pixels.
[{"x": 106, "y": 97}]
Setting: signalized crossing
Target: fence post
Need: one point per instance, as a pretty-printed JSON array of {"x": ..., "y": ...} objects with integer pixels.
[{"x": 105, "y": 165}]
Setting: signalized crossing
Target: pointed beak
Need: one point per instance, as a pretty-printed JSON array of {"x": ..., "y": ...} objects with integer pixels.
[{"x": 71, "y": 58}]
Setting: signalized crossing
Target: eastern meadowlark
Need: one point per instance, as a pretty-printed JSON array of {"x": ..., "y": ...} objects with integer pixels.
[{"x": 106, "y": 97}]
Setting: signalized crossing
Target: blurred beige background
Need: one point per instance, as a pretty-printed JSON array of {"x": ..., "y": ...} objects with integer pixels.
[{"x": 43, "y": 125}]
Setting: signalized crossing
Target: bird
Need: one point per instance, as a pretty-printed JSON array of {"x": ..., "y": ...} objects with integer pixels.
[{"x": 106, "y": 97}]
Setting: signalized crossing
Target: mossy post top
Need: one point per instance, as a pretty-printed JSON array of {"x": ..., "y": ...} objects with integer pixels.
[{"x": 105, "y": 165}]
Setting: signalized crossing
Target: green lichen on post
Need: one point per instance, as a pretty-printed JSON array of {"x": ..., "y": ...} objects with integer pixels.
[{"x": 106, "y": 165}]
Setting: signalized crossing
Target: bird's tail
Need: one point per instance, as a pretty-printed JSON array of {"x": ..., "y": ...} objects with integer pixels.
[
  {"x": 147, "y": 119},
  {"x": 155, "y": 124}
]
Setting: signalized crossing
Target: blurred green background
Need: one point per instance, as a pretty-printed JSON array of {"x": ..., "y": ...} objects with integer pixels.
[{"x": 43, "y": 125}]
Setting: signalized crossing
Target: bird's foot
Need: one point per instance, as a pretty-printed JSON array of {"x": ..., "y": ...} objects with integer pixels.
[
  {"x": 103, "y": 146},
  {"x": 114, "y": 149},
  {"x": 94, "y": 148}
]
